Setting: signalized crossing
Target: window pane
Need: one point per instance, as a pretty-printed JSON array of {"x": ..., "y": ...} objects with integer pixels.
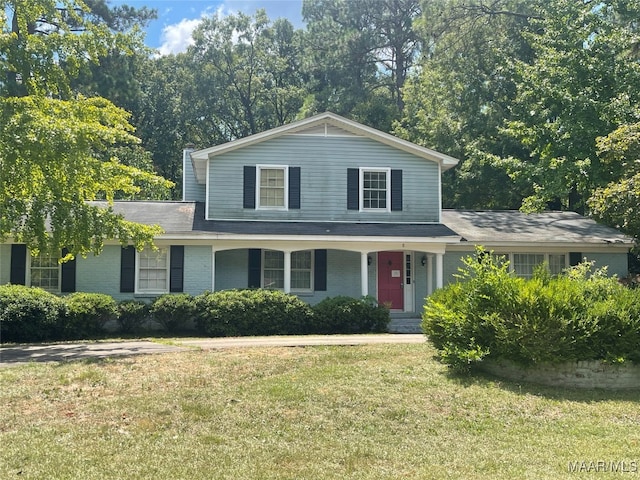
[
  {"x": 525, "y": 263},
  {"x": 374, "y": 191},
  {"x": 301, "y": 270},
  {"x": 272, "y": 187},
  {"x": 45, "y": 272},
  {"x": 273, "y": 271},
  {"x": 556, "y": 263},
  {"x": 153, "y": 272}
]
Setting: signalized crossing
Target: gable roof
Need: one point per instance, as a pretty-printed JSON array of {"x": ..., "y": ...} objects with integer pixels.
[
  {"x": 332, "y": 124},
  {"x": 511, "y": 227}
]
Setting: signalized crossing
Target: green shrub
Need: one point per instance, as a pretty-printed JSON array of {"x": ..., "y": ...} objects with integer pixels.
[
  {"x": 173, "y": 311},
  {"x": 29, "y": 314},
  {"x": 250, "y": 312},
  {"x": 343, "y": 314},
  {"x": 489, "y": 313},
  {"x": 132, "y": 314},
  {"x": 87, "y": 314}
]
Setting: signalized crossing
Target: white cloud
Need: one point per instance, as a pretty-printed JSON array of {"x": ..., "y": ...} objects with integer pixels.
[{"x": 177, "y": 37}]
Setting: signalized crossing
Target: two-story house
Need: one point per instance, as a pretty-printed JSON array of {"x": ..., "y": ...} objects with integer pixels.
[{"x": 320, "y": 207}]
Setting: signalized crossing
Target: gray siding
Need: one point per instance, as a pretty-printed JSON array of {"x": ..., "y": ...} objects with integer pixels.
[
  {"x": 192, "y": 191},
  {"x": 101, "y": 274},
  {"x": 324, "y": 162},
  {"x": 618, "y": 263},
  {"x": 197, "y": 269}
]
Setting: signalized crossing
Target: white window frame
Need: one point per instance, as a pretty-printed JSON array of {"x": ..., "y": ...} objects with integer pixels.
[
  {"x": 153, "y": 291},
  {"x": 293, "y": 289},
  {"x": 29, "y": 275},
  {"x": 285, "y": 169},
  {"x": 386, "y": 171},
  {"x": 511, "y": 257}
]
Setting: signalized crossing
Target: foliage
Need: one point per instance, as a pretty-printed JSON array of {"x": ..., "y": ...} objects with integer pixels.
[
  {"x": 29, "y": 314},
  {"x": 49, "y": 170},
  {"x": 251, "y": 312},
  {"x": 343, "y": 314},
  {"x": 174, "y": 312},
  {"x": 580, "y": 315},
  {"x": 132, "y": 315},
  {"x": 87, "y": 314}
]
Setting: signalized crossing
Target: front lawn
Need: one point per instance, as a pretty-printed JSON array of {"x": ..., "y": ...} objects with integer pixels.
[{"x": 365, "y": 412}]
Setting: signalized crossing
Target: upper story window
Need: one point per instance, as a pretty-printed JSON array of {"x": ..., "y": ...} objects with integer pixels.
[
  {"x": 375, "y": 191},
  {"x": 45, "y": 272},
  {"x": 272, "y": 187},
  {"x": 153, "y": 271}
]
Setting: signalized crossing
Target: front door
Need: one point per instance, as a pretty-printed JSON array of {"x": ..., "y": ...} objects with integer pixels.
[{"x": 391, "y": 279}]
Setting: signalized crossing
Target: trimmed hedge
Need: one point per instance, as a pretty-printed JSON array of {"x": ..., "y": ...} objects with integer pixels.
[
  {"x": 132, "y": 315},
  {"x": 580, "y": 315},
  {"x": 174, "y": 312},
  {"x": 87, "y": 315},
  {"x": 29, "y": 314},
  {"x": 350, "y": 315},
  {"x": 250, "y": 312}
]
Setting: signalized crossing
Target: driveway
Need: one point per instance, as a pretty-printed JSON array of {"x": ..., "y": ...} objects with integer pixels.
[{"x": 20, "y": 354}]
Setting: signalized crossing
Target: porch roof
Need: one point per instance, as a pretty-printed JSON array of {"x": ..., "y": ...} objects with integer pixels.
[{"x": 188, "y": 218}]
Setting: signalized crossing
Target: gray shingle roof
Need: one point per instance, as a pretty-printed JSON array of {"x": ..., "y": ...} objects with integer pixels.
[{"x": 500, "y": 226}]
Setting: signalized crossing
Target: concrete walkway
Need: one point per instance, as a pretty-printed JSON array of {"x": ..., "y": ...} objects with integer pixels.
[{"x": 20, "y": 354}]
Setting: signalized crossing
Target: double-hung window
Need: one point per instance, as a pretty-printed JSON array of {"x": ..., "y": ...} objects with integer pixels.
[
  {"x": 375, "y": 189},
  {"x": 301, "y": 270},
  {"x": 45, "y": 272},
  {"x": 524, "y": 264},
  {"x": 272, "y": 191},
  {"x": 153, "y": 271}
]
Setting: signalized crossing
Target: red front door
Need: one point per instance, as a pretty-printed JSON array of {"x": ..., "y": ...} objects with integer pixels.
[{"x": 390, "y": 279}]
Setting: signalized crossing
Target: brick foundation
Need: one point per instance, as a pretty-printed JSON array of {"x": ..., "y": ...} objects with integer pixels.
[{"x": 581, "y": 374}]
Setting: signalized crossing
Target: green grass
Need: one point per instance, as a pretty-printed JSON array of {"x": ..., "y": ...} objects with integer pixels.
[{"x": 367, "y": 412}]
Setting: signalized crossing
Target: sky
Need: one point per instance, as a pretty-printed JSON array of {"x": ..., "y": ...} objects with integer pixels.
[{"x": 171, "y": 32}]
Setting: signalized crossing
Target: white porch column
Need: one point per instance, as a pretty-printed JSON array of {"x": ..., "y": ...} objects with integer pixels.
[
  {"x": 429, "y": 274},
  {"x": 364, "y": 273},
  {"x": 439, "y": 270},
  {"x": 287, "y": 272},
  {"x": 213, "y": 269}
]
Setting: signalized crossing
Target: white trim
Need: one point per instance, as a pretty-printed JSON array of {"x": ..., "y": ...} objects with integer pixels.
[
  {"x": 285, "y": 169},
  {"x": 409, "y": 288},
  {"x": 287, "y": 253},
  {"x": 206, "y": 193},
  {"x": 137, "y": 290},
  {"x": 364, "y": 273},
  {"x": 362, "y": 171},
  {"x": 27, "y": 279}
]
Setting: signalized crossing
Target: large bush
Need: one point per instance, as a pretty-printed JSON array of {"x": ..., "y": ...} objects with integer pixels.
[
  {"x": 489, "y": 313},
  {"x": 251, "y": 312},
  {"x": 173, "y": 311},
  {"x": 87, "y": 315},
  {"x": 132, "y": 315},
  {"x": 29, "y": 314},
  {"x": 343, "y": 314}
]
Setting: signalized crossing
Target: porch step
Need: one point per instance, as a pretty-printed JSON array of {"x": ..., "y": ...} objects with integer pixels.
[{"x": 405, "y": 325}]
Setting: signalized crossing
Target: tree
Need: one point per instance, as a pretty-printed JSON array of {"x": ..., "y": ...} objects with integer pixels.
[
  {"x": 54, "y": 144},
  {"x": 359, "y": 53}
]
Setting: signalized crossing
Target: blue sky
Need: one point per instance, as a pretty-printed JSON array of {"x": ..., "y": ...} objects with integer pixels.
[{"x": 171, "y": 32}]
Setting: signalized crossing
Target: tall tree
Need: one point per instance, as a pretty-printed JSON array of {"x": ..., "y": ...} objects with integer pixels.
[
  {"x": 359, "y": 53},
  {"x": 53, "y": 144}
]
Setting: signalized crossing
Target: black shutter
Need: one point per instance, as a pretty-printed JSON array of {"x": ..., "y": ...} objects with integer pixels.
[
  {"x": 320, "y": 271},
  {"x": 18, "y": 264},
  {"x": 396, "y": 190},
  {"x": 575, "y": 258},
  {"x": 127, "y": 269},
  {"x": 68, "y": 274},
  {"x": 176, "y": 269},
  {"x": 249, "y": 187},
  {"x": 353, "y": 188},
  {"x": 294, "y": 188},
  {"x": 255, "y": 267}
]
